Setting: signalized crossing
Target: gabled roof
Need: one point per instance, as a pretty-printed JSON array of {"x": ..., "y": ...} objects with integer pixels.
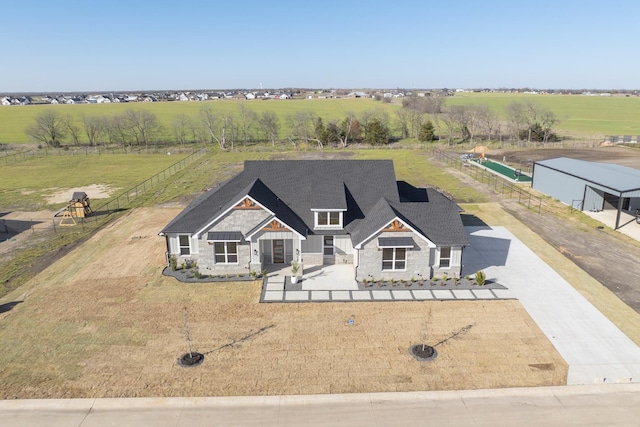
[
  {"x": 615, "y": 177},
  {"x": 290, "y": 185},
  {"x": 436, "y": 218},
  {"x": 290, "y": 189}
]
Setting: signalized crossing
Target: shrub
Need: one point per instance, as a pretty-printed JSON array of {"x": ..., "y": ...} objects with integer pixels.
[
  {"x": 481, "y": 278},
  {"x": 197, "y": 274},
  {"x": 173, "y": 262}
]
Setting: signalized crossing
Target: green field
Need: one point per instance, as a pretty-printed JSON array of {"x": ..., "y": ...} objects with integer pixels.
[
  {"x": 27, "y": 184},
  {"x": 580, "y": 115},
  {"x": 14, "y": 119}
]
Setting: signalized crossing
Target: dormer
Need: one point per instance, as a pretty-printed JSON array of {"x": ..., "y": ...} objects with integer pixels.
[{"x": 329, "y": 203}]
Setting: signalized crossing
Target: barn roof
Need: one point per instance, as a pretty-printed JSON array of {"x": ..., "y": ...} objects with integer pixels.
[{"x": 616, "y": 177}]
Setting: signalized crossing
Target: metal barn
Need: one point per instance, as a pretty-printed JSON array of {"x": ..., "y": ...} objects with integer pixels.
[{"x": 589, "y": 186}]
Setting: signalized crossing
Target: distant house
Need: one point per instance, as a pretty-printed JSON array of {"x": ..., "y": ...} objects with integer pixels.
[
  {"x": 320, "y": 212},
  {"x": 250, "y": 95},
  {"x": 5, "y": 101}
]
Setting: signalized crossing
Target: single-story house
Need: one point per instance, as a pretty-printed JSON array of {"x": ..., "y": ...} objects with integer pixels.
[
  {"x": 320, "y": 212},
  {"x": 589, "y": 186}
]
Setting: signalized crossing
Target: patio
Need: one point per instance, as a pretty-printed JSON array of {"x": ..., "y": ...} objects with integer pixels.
[{"x": 628, "y": 223}]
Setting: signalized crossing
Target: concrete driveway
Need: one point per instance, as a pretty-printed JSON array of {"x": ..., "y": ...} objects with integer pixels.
[{"x": 595, "y": 349}]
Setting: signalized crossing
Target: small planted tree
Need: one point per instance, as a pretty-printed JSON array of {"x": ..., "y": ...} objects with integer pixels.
[{"x": 190, "y": 358}]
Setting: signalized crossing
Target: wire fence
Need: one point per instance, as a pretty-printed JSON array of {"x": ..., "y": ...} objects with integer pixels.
[
  {"x": 101, "y": 215},
  {"x": 93, "y": 150},
  {"x": 505, "y": 186}
]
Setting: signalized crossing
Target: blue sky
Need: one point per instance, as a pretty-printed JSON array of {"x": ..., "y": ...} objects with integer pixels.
[{"x": 104, "y": 45}]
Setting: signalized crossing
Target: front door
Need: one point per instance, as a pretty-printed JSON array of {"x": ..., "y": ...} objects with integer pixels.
[{"x": 278, "y": 251}]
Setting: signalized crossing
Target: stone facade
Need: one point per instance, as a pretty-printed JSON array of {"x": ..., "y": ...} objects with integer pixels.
[{"x": 418, "y": 260}]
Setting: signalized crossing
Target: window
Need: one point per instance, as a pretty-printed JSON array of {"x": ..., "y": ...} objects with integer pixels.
[
  {"x": 327, "y": 245},
  {"x": 184, "y": 243},
  {"x": 445, "y": 257},
  {"x": 225, "y": 252},
  {"x": 328, "y": 219},
  {"x": 394, "y": 259}
]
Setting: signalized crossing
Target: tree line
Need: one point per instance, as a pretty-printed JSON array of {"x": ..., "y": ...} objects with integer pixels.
[{"x": 417, "y": 118}]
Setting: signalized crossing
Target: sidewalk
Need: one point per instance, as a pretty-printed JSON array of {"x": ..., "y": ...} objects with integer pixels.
[
  {"x": 333, "y": 283},
  {"x": 610, "y": 405}
]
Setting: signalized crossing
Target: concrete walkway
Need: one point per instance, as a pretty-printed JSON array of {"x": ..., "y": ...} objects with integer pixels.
[
  {"x": 336, "y": 283},
  {"x": 603, "y": 405},
  {"x": 595, "y": 349}
]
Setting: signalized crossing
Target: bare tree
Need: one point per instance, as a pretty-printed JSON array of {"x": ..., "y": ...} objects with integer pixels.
[
  {"x": 72, "y": 128},
  {"x": 548, "y": 121},
  {"x": 487, "y": 120},
  {"x": 49, "y": 128},
  {"x": 303, "y": 124},
  {"x": 146, "y": 126},
  {"x": 93, "y": 128},
  {"x": 404, "y": 119},
  {"x": 532, "y": 120},
  {"x": 349, "y": 129},
  {"x": 247, "y": 119},
  {"x": 216, "y": 125},
  {"x": 270, "y": 126},
  {"x": 208, "y": 118},
  {"x": 181, "y": 126}
]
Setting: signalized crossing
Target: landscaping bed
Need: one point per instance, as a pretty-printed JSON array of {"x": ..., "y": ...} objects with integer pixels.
[{"x": 435, "y": 283}]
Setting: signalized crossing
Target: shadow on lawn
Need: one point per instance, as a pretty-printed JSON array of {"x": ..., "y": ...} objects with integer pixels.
[{"x": 8, "y": 306}]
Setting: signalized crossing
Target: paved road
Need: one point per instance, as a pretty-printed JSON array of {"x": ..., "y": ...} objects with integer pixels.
[{"x": 594, "y": 405}]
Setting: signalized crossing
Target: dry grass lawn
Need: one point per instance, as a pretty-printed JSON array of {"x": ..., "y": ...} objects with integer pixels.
[{"x": 103, "y": 322}]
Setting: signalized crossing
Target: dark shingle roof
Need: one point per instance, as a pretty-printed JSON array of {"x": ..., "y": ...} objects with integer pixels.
[{"x": 291, "y": 188}]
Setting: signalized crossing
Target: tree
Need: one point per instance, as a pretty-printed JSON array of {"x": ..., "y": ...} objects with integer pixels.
[
  {"x": 427, "y": 132},
  {"x": 303, "y": 123},
  {"x": 216, "y": 125},
  {"x": 182, "y": 124},
  {"x": 270, "y": 126},
  {"x": 247, "y": 118},
  {"x": 49, "y": 128},
  {"x": 349, "y": 130},
  {"x": 93, "y": 128},
  {"x": 72, "y": 128},
  {"x": 531, "y": 121},
  {"x": 376, "y": 132}
]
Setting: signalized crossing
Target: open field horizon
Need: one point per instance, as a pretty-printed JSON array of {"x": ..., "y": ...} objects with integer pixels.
[{"x": 590, "y": 117}]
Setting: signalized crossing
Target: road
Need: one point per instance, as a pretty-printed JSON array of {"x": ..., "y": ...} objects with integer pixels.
[{"x": 591, "y": 405}]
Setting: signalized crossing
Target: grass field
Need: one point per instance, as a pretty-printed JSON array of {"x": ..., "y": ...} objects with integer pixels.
[
  {"x": 580, "y": 115},
  {"x": 15, "y": 119},
  {"x": 27, "y": 184}
]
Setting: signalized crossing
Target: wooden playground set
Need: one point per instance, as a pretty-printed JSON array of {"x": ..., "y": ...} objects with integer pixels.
[{"x": 78, "y": 207}]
